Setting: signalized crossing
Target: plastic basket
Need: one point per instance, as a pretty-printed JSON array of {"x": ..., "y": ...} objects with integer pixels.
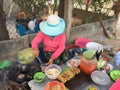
[
  {"x": 23, "y": 30},
  {"x": 82, "y": 42}
]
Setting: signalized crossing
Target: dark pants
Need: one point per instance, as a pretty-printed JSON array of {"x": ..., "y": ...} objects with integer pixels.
[{"x": 45, "y": 56}]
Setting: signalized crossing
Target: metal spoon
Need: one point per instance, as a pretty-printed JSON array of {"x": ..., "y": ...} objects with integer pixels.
[{"x": 39, "y": 60}]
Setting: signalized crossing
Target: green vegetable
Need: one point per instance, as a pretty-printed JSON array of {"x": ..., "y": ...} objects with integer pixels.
[
  {"x": 101, "y": 64},
  {"x": 89, "y": 54}
]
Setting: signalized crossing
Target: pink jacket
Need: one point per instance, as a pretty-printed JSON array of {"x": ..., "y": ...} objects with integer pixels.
[{"x": 57, "y": 45}]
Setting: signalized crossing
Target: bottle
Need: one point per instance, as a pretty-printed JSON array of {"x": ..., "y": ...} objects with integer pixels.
[{"x": 88, "y": 65}]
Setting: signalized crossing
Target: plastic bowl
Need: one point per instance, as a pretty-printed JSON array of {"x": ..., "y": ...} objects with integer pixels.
[
  {"x": 73, "y": 62},
  {"x": 100, "y": 78},
  {"x": 115, "y": 74},
  {"x": 39, "y": 76},
  {"x": 68, "y": 63},
  {"x": 94, "y": 46},
  {"x": 52, "y": 71}
]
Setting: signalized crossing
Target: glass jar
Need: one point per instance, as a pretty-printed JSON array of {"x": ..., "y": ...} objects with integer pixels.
[{"x": 88, "y": 65}]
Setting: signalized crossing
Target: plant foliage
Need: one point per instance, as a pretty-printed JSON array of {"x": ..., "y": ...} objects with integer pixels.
[
  {"x": 98, "y": 7},
  {"x": 32, "y": 7}
]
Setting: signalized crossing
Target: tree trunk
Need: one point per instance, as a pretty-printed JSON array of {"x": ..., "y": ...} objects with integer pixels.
[
  {"x": 116, "y": 9},
  {"x": 54, "y": 9},
  {"x": 68, "y": 17},
  {"x": 61, "y": 9},
  {"x": 3, "y": 29}
]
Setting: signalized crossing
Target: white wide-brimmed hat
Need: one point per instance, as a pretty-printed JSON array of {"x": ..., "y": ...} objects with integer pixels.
[{"x": 53, "y": 26}]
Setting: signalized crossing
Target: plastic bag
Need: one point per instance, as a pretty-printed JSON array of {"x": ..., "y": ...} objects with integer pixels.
[
  {"x": 26, "y": 56},
  {"x": 4, "y": 64},
  {"x": 4, "y": 76}
]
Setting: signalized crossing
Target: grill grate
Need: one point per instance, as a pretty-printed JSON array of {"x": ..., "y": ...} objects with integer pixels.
[{"x": 77, "y": 81}]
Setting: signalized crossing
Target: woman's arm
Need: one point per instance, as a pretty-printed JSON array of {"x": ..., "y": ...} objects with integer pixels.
[{"x": 38, "y": 38}]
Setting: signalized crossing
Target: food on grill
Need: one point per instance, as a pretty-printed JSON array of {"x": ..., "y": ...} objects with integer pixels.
[{"x": 69, "y": 74}]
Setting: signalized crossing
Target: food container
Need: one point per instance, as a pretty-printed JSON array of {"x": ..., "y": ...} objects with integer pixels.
[
  {"x": 88, "y": 65},
  {"x": 73, "y": 62},
  {"x": 94, "y": 46},
  {"x": 43, "y": 66},
  {"x": 92, "y": 87},
  {"x": 25, "y": 68},
  {"x": 100, "y": 78},
  {"x": 22, "y": 30},
  {"x": 55, "y": 85},
  {"x": 21, "y": 78},
  {"x": 39, "y": 76},
  {"x": 52, "y": 71},
  {"x": 115, "y": 74}
]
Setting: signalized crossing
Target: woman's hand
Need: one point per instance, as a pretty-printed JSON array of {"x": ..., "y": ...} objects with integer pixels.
[
  {"x": 36, "y": 52},
  {"x": 50, "y": 61}
]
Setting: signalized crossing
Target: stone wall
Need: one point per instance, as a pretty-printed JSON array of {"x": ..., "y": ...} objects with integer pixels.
[
  {"x": 10, "y": 48},
  {"x": 90, "y": 30}
]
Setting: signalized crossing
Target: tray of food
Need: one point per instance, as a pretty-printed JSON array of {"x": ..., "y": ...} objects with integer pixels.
[{"x": 73, "y": 78}]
